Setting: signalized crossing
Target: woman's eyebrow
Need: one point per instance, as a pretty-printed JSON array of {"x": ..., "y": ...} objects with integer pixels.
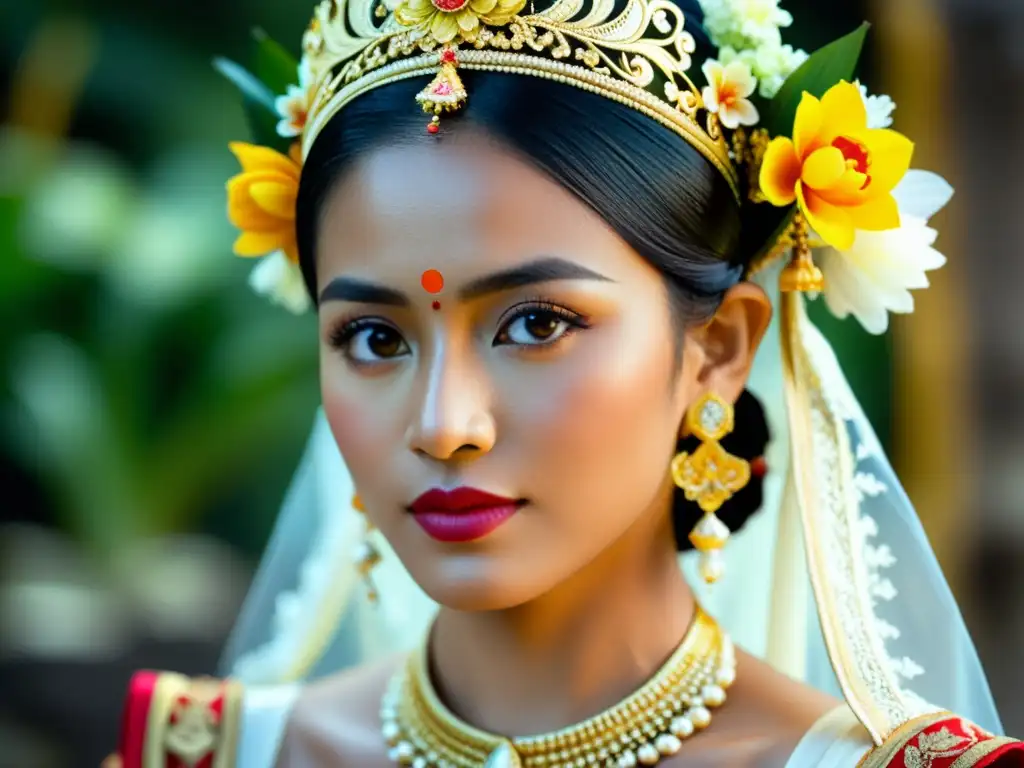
[{"x": 538, "y": 271}]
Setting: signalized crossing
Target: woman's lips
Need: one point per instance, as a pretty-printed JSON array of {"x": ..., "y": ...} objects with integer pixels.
[{"x": 462, "y": 514}]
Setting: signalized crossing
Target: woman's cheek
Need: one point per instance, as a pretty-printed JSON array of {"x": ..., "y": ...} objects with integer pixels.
[
  {"x": 608, "y": 391},
  {"x": 608, "y": 425},
  {"x": 356, "y": 429}
]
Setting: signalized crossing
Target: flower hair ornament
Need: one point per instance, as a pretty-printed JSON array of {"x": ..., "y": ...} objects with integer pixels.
[{"x": 824, "y": 185}]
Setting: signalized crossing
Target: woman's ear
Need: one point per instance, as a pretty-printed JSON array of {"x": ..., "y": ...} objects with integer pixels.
[{"x": 730, "y": 340}]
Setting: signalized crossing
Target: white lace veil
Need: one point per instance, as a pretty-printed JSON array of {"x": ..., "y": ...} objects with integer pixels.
[{"x": 833, "y": 581}]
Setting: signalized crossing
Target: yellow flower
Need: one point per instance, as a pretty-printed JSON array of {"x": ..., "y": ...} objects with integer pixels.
[
  {"x": 840, "y": 172},
  {"x": 261, "y": 200},
  {"x": 448, "y": 19}
]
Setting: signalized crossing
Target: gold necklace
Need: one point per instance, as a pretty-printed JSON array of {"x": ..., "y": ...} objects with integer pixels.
[{"x": 640, "y": 730}]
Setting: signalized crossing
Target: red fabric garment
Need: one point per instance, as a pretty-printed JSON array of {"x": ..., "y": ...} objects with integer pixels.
[
  {"x": 171, "y": 721},
  {"x": 945, "y": 741},
  {"x": 137, "y": 702}
]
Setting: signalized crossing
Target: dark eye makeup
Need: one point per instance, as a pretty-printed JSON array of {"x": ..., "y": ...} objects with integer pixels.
[{"x": 538, "y": 324}]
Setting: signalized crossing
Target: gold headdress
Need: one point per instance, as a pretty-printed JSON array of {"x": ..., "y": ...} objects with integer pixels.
[
  {"x": 808, "y": 155},
  {"x": 638, "y": 55}
]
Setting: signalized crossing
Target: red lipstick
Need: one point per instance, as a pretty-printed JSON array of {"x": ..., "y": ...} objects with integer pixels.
[{"x": 462, "y": 514}]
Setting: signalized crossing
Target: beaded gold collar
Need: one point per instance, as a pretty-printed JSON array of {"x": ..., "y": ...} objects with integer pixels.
[{"x": 642, "y": 729}]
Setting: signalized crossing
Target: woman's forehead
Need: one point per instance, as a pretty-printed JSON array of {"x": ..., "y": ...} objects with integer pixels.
[
  {"x": 468, "y": 177},
  {"x": 462, "y": 202}
]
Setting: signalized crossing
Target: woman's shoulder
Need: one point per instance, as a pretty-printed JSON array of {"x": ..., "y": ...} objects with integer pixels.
[
  {"x": 774, "y": 721},
  {"x": 814, "y": 729},
  {"x": 936, "y": 740},
  {"x": 335, "y": 721}
]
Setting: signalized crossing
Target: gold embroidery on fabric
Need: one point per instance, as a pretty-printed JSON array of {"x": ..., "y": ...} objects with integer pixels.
[
  {"x": 230, "y": 725},
  {"x": 981, "y": 750},
  {"x": 940, "y": 745},
  {"x": 194, "y": 731},
  {"x": 883, "y": 755}
]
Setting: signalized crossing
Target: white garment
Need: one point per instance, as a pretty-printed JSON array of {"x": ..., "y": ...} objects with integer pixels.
[
  {"x": 837, "y": 740},
  {"x": 265, "y": 711}
]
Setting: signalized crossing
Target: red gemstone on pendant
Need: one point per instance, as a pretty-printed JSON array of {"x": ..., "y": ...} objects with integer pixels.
[
  {"x": 448, "y": 54},
  {"x": 449, "y": 6},
  {"x": 433, "y": 128},
  {"x": 759, "y": 467},
  {"x": 436, "y": 305}
]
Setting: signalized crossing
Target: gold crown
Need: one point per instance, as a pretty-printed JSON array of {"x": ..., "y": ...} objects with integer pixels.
[{"x": 638, "y": 56}]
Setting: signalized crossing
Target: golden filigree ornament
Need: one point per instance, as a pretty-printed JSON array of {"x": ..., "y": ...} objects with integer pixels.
[
  {"x": 445, "y": 93},
  {"x": 638, "y": 56},
  {"x": 709, "y": 476}
]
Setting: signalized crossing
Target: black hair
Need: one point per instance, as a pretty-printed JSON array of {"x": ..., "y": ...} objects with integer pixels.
[{"x": 653, "y": 188}]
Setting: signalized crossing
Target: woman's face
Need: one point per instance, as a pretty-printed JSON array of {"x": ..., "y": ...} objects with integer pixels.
[{"x": 546, "y": 373}]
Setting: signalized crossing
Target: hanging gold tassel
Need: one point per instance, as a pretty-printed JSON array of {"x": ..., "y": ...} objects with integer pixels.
[{"x": 801, "y": 274}]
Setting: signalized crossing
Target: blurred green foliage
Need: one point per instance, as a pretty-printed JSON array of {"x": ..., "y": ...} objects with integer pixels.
[{"x": 143, "y": 388}]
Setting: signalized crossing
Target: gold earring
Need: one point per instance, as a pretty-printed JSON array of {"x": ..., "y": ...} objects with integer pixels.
[
  {"x": 367, "y": 555},
  {"x": 710, "y": 476}
]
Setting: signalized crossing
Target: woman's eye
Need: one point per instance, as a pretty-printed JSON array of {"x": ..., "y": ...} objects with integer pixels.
[
  {"x": 371, "y": 343},
  {"x": 538, "y": 326}
]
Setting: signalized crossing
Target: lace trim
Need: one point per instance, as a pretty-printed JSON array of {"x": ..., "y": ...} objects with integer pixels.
[
  {"x": 847, "y": 566},
  {"x": 878, "y": 557}
]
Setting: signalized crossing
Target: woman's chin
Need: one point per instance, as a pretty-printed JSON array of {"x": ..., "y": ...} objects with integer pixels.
[{"x": 477, "y": 583}]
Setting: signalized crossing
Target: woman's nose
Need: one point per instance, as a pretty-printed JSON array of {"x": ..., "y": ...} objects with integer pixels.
[{"x": 454, "y": 418}]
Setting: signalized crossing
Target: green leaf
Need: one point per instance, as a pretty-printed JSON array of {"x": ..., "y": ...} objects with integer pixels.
[
  {"x": 825, "y": 68},
  {"x": 274, "y": 66},
  {"x": 258, "y": 99},
  {"x": 251, "y": 87}
]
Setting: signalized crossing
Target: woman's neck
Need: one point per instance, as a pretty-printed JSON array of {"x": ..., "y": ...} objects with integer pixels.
[{"x": 573, "y": 652}]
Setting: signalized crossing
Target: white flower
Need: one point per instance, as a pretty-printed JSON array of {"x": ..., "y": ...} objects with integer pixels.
[
  {"x": 771, "y": 64},
  {"x": 880, "y": 108},
  {"x": 876, "y": 275},
  {"x": 744, "y": 24},
  {"x": 727, "y": 92},
  {"x": 281, "y": 281},
  {"x": 293, "y": 107},
  {"x": 775, "y": 63}
]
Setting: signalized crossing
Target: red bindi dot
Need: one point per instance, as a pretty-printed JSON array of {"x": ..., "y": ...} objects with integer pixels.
[
  {"x": 432, "y": 281},
  {"x": 436, "y": 305}
]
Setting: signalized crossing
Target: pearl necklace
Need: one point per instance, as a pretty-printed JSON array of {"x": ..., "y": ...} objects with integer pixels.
[{"x": 640, "y": 730}]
